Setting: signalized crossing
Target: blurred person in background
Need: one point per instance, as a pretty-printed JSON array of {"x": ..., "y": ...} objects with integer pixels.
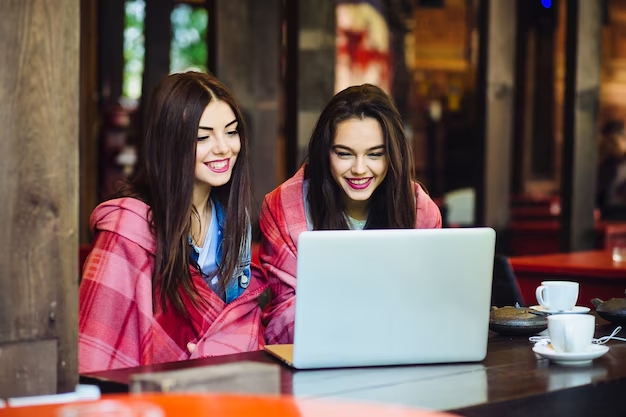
[{"x": 611, "y": 184}]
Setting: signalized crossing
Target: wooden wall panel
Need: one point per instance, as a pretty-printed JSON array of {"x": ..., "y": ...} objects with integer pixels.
[
  {"x": 39, "y": 97},
  {"x": 89, "y": 123},
  {"x": 500, "y": 91},
  {"x": 28, "y": 368},
  {"x": 582, "y": 87}
]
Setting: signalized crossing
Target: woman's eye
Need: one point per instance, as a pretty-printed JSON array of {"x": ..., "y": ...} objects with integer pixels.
[
  {"x": 342, "y": 154},
  {"x": 233, "y": 133},
  {"x": 201, "y": 138},
  {"x": 377, "y": 155}
]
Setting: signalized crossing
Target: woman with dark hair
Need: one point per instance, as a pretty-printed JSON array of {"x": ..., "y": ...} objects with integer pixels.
[
  {"x": 357, "y": 176},
  {"x": 169, "y": 277}
]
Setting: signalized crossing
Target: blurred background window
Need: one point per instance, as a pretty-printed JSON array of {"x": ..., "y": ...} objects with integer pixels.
[
  {"x": 188, "y": 49},
  {"x": 134, "y": 16}
]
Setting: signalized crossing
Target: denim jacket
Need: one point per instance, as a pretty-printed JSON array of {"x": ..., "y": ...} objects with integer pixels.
[{"x": 241, "y": 275}]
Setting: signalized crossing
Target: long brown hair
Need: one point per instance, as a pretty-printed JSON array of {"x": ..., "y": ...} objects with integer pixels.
[
  {"x": 165, "y": 181},
  {"x": 392, "y": 205}
]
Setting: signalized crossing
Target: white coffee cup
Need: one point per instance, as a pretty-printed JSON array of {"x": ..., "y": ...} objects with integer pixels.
[
  {"x": 571, "y": 333},
  {"x": 557, "y": 295}
]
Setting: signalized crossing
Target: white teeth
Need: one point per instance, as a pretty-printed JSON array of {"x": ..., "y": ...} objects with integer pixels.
[
  {"x": 359, "y": 181},
  {"x": 217, "y": 165}
]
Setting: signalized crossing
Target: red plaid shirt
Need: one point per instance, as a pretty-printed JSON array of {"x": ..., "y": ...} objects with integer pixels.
[{"x": 117, "y": 325}]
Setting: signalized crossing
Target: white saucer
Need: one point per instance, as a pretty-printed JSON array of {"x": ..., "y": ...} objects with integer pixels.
[
  {"x": 575, "y": 310},
  {"x": 570, "y": 359}
]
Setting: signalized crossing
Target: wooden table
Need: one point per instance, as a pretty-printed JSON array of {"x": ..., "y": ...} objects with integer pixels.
[
  {"x": 596, "y": 272},
  {"x": 511, "y": 381},
  {"x": 196, "y": 405}
]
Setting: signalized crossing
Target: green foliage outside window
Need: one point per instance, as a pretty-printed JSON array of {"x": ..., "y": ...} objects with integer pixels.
[
  {"x": 134, "y": 16},
  {"x": 188, "y": 49}
]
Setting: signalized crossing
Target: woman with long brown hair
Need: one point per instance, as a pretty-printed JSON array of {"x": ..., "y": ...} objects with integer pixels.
[
  {"x": 357, "y": 176},
  {"x": 170, "y": 276}
]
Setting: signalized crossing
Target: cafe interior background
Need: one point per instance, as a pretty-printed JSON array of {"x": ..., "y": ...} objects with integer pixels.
[
  {"x": 424, "y": 53},
  {"x": 503, "y": 134}
]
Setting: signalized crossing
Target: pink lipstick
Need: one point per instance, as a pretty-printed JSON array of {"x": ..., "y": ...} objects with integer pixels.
[
  {"x": 219, "y": 166},
  {"x": 359, "y": 183}
]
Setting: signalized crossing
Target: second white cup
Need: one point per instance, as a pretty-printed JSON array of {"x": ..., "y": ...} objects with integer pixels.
[{"x": 571, "y": 333}]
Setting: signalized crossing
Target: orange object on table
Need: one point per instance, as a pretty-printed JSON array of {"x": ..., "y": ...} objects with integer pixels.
[{"x": 190, "y": 405}]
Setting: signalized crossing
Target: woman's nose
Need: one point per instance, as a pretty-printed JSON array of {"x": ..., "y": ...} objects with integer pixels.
[
  {"x": 221, "y": 146},
  {"x": 359, "y": 166}
]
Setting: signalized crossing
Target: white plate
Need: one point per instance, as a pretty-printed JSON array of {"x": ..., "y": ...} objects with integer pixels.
[
  {"x": 570, "y": 359},
  {"x": 575, "y": 310}
]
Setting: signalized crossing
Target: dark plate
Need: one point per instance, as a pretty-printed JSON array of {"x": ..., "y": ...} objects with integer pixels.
[
  {"x": 507, "y": 330},
  {"x": 516, "y": 321}
]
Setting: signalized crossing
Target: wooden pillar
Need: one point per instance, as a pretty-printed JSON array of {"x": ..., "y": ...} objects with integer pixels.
[
  {"x": 543, "y": 143},
  {"x": 498, "y": 73},
  {"x": 39, "y": 98},
  {"x": 292, "y": 30},
  {"x": 158, "y": 38},
  {"x": 316, "y": 66},
  {"x": 110, "y": 49},
  {"x": 254, "y": 78},
  {"x": 211, "y": 36},
  {"x": 401, "y": 79},
  {"x": 233, "y": 46},
  {"x": 265, "y": 86},
  {"x": 88, "y": 116},
  {"x": 522, "y": 118},
  {"x": 582, "y": 88},
  {"x": 309, "y": 72}
]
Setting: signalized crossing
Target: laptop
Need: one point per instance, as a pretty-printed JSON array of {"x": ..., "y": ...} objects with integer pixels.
[{"x": 391, "y": 297}]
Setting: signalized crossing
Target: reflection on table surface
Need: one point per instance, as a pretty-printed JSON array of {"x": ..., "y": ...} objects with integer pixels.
[{"x": 435, "y": 387}]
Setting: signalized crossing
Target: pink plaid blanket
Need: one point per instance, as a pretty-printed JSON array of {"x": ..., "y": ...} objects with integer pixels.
[
  {"x": 282, "y": 220},
  {"x": 117, "y": 325}
]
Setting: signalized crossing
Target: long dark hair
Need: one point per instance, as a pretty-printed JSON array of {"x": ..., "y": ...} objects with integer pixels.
[
  {"x": 392, "y": 205},
  {"x": 165, "y": 181}
]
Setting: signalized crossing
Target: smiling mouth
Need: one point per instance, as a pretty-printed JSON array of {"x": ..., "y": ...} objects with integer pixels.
[
  {"x": 359, "y": 183},
  {"x": 218, "y": 166}
]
